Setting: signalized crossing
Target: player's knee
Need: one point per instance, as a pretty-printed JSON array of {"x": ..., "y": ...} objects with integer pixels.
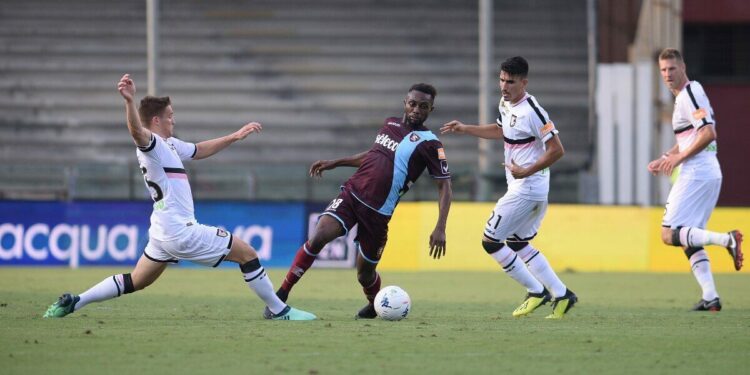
[
  {"x": 517, "y": 246},
  {"x": 671, "y": 237},
  {"x": 250, "y": 266},
  {"x": 366, "y": 277},
  {"x": 492, "y": 247},
  {"x": 129, "y": 286},
  {"x": 315, "y": 245},
  {"x": 692, "y": 250}
]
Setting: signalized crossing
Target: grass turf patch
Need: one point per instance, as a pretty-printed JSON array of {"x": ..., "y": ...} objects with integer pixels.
[{"x": 201, "y": 320}]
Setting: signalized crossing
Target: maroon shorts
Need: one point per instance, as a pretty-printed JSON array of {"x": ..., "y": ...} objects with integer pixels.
[{"x": 372, "y": 232}]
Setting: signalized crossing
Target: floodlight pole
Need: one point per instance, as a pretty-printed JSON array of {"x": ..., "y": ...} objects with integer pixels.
[
  {"x": 152, "y": 45},
  {"x": 485, "y": 95}
]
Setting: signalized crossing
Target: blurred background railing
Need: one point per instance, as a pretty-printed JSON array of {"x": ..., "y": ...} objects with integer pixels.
[{"x": 321, "y": 76}]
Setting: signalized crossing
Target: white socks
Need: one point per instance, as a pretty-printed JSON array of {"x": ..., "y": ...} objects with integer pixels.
[
  {"x": 258, "y": 281},
  {"x": 517, "y": 270},
  {"x": 540, "y": 268},
  {"x": 701, "y": 268},
  {"x": 111, "y": 287},
  {"x": 696, "y": 237}
]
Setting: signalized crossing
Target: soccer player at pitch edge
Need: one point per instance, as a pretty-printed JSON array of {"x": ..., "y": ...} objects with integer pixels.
[
  {"x": 696, "y": 190},
  {"x": 402, "y": 150},
  {"x": 174, "y": 233},
  {"x": 532, "y": 145}
]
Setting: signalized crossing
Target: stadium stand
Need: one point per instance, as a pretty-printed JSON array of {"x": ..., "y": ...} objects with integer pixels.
[{"x": 321, "y": 76}]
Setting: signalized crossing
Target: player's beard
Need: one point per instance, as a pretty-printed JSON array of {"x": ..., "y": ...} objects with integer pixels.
[{"x": 413, "y": 123}]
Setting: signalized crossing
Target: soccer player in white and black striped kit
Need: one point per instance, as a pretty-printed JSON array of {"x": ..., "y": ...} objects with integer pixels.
[
  {"x": 175, "y": 234},
  {"x": 696, "y": 190},
  {"x": 531, "y": 147}
]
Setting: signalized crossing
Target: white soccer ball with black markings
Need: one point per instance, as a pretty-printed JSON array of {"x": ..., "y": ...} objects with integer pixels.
[{"x": 392, "y": 303}]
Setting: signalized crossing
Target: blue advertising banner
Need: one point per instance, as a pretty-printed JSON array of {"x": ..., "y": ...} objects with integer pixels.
[{"x": 114, "y": 233}]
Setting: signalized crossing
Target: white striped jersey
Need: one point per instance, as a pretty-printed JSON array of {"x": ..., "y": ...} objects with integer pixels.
[
  {"x": 526, "y": 127},
  {"x": 167, "y": 182},
  {"x": 693, "y": 111}
]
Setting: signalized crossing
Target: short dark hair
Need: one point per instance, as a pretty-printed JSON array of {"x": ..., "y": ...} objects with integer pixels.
[
  {"x": 515, "y": 66},
  {"x": 425, "y": 88},
  {"x": 152, "y": 106},
  {"x": 670, "y": 53}
]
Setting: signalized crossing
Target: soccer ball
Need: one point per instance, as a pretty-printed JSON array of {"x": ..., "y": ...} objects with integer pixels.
[{"x": 392, "y": 303}]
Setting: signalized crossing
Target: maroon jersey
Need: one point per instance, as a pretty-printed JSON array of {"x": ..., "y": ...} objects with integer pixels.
[{"x": 398, "y": 157}]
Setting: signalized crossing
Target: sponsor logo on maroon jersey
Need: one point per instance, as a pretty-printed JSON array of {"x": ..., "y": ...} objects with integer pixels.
[{"x": 386, "y": 141}]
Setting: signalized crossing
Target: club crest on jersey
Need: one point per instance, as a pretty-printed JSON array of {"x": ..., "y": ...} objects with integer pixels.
[
  {"x": 221, "y": 232},
  {"x": 414, "y": 137},
  {"x": 513, "y": 120}
]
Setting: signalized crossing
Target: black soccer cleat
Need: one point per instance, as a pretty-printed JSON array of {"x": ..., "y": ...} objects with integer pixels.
[
  {"x": 367, "y": 312},
  {"x": 561, "y": 305},
  {"x": 712, "y": 305}
]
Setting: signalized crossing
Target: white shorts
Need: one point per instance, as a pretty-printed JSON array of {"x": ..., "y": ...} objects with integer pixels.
[
  {"x": 515, "y": 219},
  {"x": 690, "y": 203},
  {"x": 198, "y": 243}
]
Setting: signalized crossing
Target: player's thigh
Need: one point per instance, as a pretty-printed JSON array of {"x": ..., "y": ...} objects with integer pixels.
[
  {"x": 528, "y": 227},
  {"x": 328, "y": 228},
  {"x": 203, "y": 244},
  {"x": 335, "y": 221},
  {"x": 372, "y": 234},
  {"x": 509, "y": 214},
  {"x": 690, "y": 203},
  {"x": 146, "y": 271}
]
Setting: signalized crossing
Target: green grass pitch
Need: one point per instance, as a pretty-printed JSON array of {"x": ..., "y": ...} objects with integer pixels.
[{"x": 208, "y": 321}]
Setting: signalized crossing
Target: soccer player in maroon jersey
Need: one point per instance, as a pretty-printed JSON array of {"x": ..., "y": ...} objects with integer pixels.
[{"x": 402, "y": 150}]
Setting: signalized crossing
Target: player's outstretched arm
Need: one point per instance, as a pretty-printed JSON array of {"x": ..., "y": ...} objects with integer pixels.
[
  {"x": 488, "y": 131},
  {"x": 141, "y": 136},
  {"x": 552, "y": 154},
  {"x": 317, "y": 168},
  {"x": 207, "y": 148},
  {"x": 706, "y": 135},
  {"x": 437, "y": 238}
]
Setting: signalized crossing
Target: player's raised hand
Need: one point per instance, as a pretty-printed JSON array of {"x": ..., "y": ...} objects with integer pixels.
[
  {"x": 249, "y": 128},
  {"x": 317, "y": 168},
  {"x": 126, "y": 87},
  {"x": 454, "y": 126},
  {"x": 437, "y": 243}
]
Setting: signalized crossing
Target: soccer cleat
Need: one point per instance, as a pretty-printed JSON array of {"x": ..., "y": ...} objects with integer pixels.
[
  {"x": 561, "y": 305},
  {"x": 290, "y": 313},
  {"x": 532, "y": 301},
  {"x": 65, "y": 305},
  {"x": 267, "y": 314},
  {"x": 735, "y": 248},
  {"x": 283, "y": 296},
  {"x": 367, "y": 312},
  {"x": 712, "y": 305}
]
